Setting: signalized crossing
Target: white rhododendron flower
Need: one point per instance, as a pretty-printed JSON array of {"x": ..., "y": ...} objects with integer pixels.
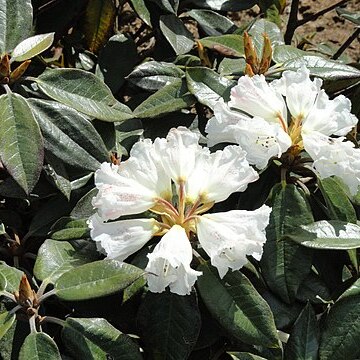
[
  {"x": 177, "y": 181},
  {"x": 256, "y": 119}
]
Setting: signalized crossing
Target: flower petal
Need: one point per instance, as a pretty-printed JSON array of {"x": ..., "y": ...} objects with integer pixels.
[
  {"x": 119, "y": 194},
  {"x": 335, "y": 157},
  {"x": 219, "y": 174},
  {"x": 228, "y": 237},
  {"x": 119, "y": 239},
  {"x": 256, "y": 97},
  {"x": 169, "y": 264}
]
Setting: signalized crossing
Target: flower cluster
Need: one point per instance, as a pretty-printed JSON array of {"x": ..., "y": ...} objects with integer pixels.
[
  {"x": 266, "y": 119},
  {"x": 177, "y": 181}
]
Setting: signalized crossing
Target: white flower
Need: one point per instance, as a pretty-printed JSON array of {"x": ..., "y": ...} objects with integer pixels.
[
  {"x": 264, "y": 133},
  {"x": 200, "y": 179},
  {"x": 229, "y": 237},
  {"x": 169, "y": 264}
]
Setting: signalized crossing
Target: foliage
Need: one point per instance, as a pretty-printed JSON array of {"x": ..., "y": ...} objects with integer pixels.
[{"x": 77, "y": 88}]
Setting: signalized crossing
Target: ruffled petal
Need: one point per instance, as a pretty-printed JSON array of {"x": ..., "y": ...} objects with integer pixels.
[
  {"x": 169, "y": 264},
  {"x": 335, "y": 157},
  {"x": 228, "y": 237},
  {"x": 119, "y": 239}
]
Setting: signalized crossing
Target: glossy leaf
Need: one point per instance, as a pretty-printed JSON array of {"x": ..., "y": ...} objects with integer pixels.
[
  {"x": 57, "y": 257},
  {"x": 32, "y": 46},
  {"x": 175, "y": 32},
  {"x": 142, "y": 11},
  {"x": 84, "y": 207},
  {"x": 245, "y": 356},
  {"x": 303, "y": 343},
  {"x": 172, "y": 97},
  {"x": 341, "y": 333},
  {"x": 99, "y": 278},
  {"x": 227, "y": 45},
  {"x": 70, "y": 229},
  {"x": 15, "y": 23},
  {"x": 228, "y": 5},
  {"x": 84, "y": 92},
  {"x": 6, "y": 321},
  {"x": 170, "y": 325},
  {"x": 313, "y": 289},
  {"x": 207, "y": 85},
  {"x": 232, "y": 67},
  {"x": 69, "y": 135},
  {"x": 39, "y": 346},
  {"x": 12, "y": 277},
  {"x": 212, "y": 23},
  {"x": 238, "y": 307},
  {"x": 353, "y": 16},
  {"x": 98, "y": 22},
  {"x": 153, "y": 75},
  {"x": 78, "y": 334},
  {"x": 284, "y": 263},
  {"x": 113, "y": 72},
  {"x": 330, "y": 235},
  {"x": 21, "y": 143},
  {"x": 283, "y": 53}
]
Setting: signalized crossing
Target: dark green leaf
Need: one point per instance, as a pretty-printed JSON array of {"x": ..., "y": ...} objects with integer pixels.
[
  {"x": 238, "y": 307},
  {"x": 341, "y": 332},
  {"x": 175, "y": 32},
  {"x": 228, "y": 45},
  {"x": 303, "y": 343},
  {"x": 84, "y": 92},
  {"x": 285, "y": 264},
  {"x": 170, "y": 325},
  {"x": 153, "y": 75},
  {"x": 70, "y": 229},
  {"x": 6, "y": 321},
  {"x": 57, "y": 257},
  {"x": 84, "y": 208},
  {"x": 142, "y": 11},
  {"x": 39, "y": 346},
  {"x": 15, "y": 23},
  {"x": 330, "y": 235},
  {"x": 337, "y": 201},
  {"x": 170, "y": 6},
  {"x": 223, "y": 5},
  {"x": 21, "y": 143},
  {"x": 99, "y": 278},
  {"x": 212, "y": 23},
  {"x": 232, "y": 67},
  {"x": 207, "y": 85},
  {"x": 12, "y": 276},
  {"x": 77, "y": 335},
  {"x": 69, "y": 135},
  {"x": 123, "y": 49},
  {"x": 172, "y": 97},
  {"x": 56, "y": 173},
  {"x": 313, "y": 289},
  {"x": 245, "y": 356}
]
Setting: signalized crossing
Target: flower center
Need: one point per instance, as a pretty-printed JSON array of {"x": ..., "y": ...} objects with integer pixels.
[{"x": 295, "y": 131}]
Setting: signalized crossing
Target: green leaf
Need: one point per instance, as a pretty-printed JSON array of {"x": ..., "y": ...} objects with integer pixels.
[
  {"x": 172, "y": 97},
  {"x": 142, "y": 11},
  {"x": 84, "y": 92},
  {"x": 68, "y": 228},
  {"x": 313, "y": 289},
  {"x": 337, "y": 201},
  {"x": 69, "y": 135},
  {"x": 327, "y": 235},
  {"x": 170, "y": 325},
  {"x": 21, "y": 143},
  {"x": 123, "y": 49},
  {"x": 176, "y": 33},
  {"x": 212, "y": 23},
  {"x": 80, "y": 336},
  {"x": 55, "y": 258},
  {"x": 232, "y": 67},
  {"x": 323, "y": 68},
  {"x": 238, "y": 307},
  {"x": 341, "y": 332},
  {"x": 154, "y": 75},
  {"x": 99, "y": 278},
  {"x": 245, "y": 356},
  {"x": 39, "y": 346},
  {"x": 32, "y": 46},
  {"x": 6, "y": 321},
  {"x": 353, "y": 16},
  {"x": 272, "y": 30},
  {"x": 207, "y": 85},
  {"x": 170, "y": 6},
  {"x": 283, "y": 53},
  {"x": 84, "y": 208},
  {"x": 303, "y": 343},
  {"x": 12, "y": 277},
  {"x": 285, "y": 264},
  {"x": 228, "y": 5},
  {"x": 98, "y": 22},
  {"x": 16, "y": 17},
  {"x": 228, "y": 45}
]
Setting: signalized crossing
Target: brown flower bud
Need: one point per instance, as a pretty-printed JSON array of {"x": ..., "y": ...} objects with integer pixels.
[
  {"x": 26, "y": 296},
  {"x": 19, "y": 71},
  {"x": 266, "y": 55},
  {"x": 250, "y": 53}
]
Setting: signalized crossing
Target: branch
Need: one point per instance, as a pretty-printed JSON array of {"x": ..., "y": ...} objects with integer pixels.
[
  {"x": 292, "y": 22},
  {"x": 347, "y": 43}
]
